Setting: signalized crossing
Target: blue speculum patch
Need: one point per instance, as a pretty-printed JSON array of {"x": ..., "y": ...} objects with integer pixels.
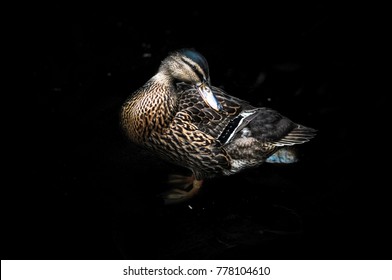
[{"x": 282, "y": 156}]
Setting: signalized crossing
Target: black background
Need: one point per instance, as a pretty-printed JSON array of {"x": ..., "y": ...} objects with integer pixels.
[{"x": 79, "y": 190}]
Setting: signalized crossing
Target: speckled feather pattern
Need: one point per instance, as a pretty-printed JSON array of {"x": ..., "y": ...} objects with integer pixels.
[
  {"x": 264, "y": 133},
  {"x": 173, "y": 121}
]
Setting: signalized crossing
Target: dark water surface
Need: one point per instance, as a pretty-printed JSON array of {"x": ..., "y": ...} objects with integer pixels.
[{"x": 82, "y": 192}]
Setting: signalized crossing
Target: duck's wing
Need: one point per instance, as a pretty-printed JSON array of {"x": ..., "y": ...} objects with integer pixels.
[
  {"x": 206, "y": 118},
  {"x": 269, "y": 126}
]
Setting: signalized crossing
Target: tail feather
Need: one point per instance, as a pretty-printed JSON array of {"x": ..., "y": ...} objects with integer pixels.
[{"x": 298, "y": 135}]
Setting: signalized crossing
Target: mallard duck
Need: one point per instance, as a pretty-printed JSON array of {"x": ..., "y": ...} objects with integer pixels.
[{"x": 180, "y": 117}]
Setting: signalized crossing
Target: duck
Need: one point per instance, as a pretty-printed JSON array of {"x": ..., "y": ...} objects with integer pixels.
[{"x": 180, "y": 117}]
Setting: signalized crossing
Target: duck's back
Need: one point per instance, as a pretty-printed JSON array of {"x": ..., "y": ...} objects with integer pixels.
[
  {"x": 207, "y": 119},
  {"x": 249, "y": 135}
]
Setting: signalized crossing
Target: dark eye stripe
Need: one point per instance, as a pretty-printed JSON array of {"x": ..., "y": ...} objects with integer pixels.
[
  {"x": 197, "y": 57},
  {"x": 195, "y": 69}
]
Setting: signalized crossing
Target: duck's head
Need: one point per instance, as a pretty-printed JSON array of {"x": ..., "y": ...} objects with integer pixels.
[{"x": 190, "y": 67}]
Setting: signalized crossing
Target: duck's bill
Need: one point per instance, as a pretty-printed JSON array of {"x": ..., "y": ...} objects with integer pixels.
[{"x": 209, "y": 97}]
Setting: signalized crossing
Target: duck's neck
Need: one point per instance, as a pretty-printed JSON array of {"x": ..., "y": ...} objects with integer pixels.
[
  {"x": 164, "y": 92},
  {"x": 161, "y": 100}
]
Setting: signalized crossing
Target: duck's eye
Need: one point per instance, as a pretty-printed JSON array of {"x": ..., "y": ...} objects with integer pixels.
[{"x": 197, "y": 72}]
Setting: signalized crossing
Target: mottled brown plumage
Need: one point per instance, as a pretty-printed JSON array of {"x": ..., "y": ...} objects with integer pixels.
[{"x": 181, "y": 118}]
